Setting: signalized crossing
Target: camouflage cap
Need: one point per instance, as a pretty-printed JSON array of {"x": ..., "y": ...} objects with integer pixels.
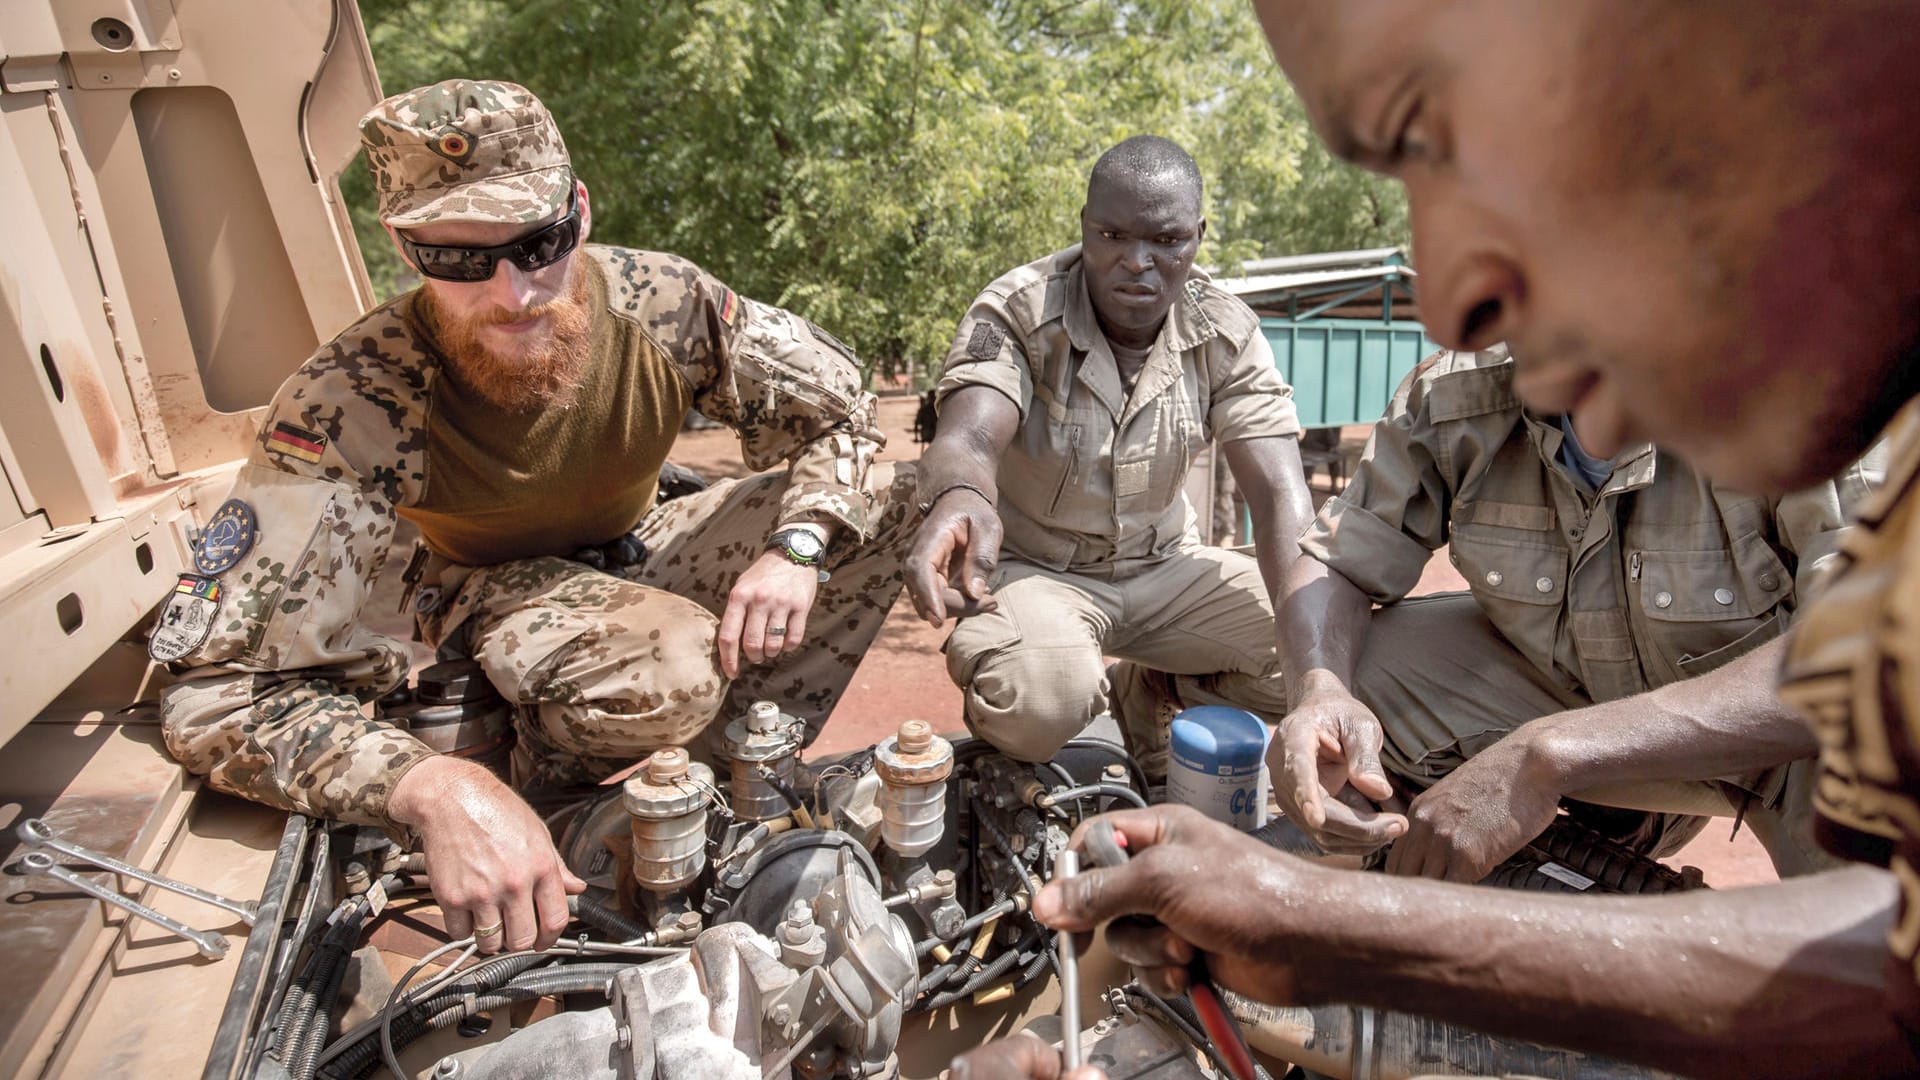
[{"x": 462, "y": 150}]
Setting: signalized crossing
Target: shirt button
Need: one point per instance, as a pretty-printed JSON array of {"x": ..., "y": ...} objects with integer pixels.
[
  {"x": 1661, "y": 600},
  {"x": 1495, "y": 577},
  {"x": 1544, "y": 584},
  {"x": 1575, "y": 531},
  {"x": 1723, "y": 597},
  {"x": 1769, "y": 581}
]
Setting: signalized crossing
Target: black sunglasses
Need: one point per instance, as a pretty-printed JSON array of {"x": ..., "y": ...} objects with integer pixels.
[{"x": 530, "y": 252}]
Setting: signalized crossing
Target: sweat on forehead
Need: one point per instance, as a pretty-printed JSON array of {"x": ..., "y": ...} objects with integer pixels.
[{"x": 1147, "y": 161}]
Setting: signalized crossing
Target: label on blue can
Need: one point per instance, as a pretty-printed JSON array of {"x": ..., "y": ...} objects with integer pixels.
[{"x": 1218, "y": 765}]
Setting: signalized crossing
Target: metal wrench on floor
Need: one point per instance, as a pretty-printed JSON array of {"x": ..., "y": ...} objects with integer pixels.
[
  {"x": 35, "y": 832},
  {"x": 211, "y": 945}
]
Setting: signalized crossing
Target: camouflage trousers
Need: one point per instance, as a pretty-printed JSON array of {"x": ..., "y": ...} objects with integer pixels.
[{"x": 609, "y": 668}]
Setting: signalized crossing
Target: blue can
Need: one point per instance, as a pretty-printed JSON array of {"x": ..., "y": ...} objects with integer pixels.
[{"x": 1218, "y": 765}]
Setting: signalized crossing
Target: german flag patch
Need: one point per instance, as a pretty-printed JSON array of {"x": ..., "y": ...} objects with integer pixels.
[
  {"x": 729, "y": 305},
  {"x": 297, "y": 443}
]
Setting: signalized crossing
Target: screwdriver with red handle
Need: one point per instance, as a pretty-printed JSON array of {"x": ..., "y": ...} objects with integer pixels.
[{"x": 1108, "y": 848}]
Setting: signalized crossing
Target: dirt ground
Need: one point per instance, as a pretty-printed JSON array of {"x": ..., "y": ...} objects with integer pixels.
[{"x": 904, "y": 677}]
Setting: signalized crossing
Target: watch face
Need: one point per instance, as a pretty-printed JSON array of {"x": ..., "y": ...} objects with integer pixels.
[{"x": 805, "y": 544}]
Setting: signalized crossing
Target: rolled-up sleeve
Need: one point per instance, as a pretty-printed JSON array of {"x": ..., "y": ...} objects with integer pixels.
[
  {"x": 1250, "y": 400},
  {"x": 987, "y": 352},
  {"x": 1381, "y": 531}
]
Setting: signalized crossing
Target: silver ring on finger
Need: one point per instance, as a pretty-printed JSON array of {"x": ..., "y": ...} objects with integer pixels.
[{"x": 776, "y": 631}]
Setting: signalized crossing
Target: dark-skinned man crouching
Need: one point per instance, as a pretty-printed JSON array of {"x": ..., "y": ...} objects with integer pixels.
[
  {"x": 1697, "y": 225},
  {"x": 1614, "y": 649},
  {"x": 1078, "y": 390}
]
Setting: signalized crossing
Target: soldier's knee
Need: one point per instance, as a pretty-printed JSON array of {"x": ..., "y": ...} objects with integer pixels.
[{"x": 1029, "y": 701}]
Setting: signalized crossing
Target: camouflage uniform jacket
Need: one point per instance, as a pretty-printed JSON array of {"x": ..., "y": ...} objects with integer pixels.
[
  {"x": 1657, "y": 576},
  {"x": 1096, "y": 475},
  {"x": 287, "y": 643}
]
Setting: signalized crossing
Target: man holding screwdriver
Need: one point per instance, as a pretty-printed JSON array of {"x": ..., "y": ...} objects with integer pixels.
[{"x": 1698, "y": 225}]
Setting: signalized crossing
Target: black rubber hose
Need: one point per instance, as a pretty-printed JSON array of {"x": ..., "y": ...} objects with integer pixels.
[
  {"x": 319, "y": 982},
  {"x": 597, "y": 913},
  {"x": 983, "y": 979},
  {"x": 306, "y": 1056},
  {"x": 447, "y": 1007},
  {"x": 785, "y": 790},
  {"x": 1034, "y": 969},
  {"x": 361, "y": 1056},
  {"x": 1134, "y": 770},
  {"x": 1180, "y": 1011}
]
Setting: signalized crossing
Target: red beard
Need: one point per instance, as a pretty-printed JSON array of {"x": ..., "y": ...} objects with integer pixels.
[{"x": 551, "y": 365}]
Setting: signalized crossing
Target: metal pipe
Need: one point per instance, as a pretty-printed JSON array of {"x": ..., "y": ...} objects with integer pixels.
[{"x": 1064, "y": 868}]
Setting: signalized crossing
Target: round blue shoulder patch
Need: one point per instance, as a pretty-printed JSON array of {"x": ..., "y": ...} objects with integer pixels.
[{"x": 228, "y": 538}]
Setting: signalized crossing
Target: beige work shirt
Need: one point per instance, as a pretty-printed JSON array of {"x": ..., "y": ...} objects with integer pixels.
[
  {"x": 1656, "y": 576},
  {"x": 1096, "y": 475}
]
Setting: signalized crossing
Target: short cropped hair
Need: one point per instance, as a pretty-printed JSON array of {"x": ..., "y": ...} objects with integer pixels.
[{"x": 1151, "y": 159}]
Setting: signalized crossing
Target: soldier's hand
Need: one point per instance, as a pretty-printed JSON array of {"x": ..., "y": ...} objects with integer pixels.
[
  {"x": 1324, "y": 764},
  {"x": 1482, "y": 812},
  {"x": 766, "y": 614},
  {"x": 490, "y": 859},
  {"x": 953, "y": 556},
  {"x": 1204, "y": 885},
  {"x": 1021, "y": 1056}
]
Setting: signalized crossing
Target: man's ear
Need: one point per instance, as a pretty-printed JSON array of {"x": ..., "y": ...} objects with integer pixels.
[
  {"x": 394, "y": 236},
  {"x": 1200, "y": 234},
  {"x": 586, "y": 208}
]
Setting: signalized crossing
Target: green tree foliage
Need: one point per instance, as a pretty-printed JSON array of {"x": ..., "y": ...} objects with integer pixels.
[{"x": 872, "y": 164}]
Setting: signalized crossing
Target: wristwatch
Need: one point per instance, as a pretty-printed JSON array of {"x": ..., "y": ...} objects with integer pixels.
[{"x": 801, "y": 546}]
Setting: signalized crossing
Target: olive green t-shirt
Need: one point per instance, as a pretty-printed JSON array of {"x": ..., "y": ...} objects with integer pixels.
[{"x": 504, "y": 485}]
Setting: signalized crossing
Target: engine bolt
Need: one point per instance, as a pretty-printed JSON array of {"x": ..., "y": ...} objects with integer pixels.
[
  {"x": 446, "y": 1069},
  {"x": 1116, "y": 771},
  {"x": 689, "y": 921},
  {"x": 782, "y": 1014}
]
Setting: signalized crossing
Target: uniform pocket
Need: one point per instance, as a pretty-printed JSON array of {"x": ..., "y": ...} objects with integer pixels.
[
  {"x": 1520, "y": 580},
  {"x": 1704, "y": 608},
  {"x": 787, "y": 376},
  {"x": 301, "y": 589}
]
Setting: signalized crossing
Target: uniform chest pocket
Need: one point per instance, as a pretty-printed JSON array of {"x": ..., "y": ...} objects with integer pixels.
[
  {"x": 1519, "y": 579},
  {"x": 1513, "y": 565},
  {"x": 1158, "y": 457},
  {"x": 1707, "y": 607}
]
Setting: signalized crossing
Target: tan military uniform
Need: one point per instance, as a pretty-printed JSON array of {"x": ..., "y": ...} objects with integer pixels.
[
  {"x": 1853, "y": 669},
  {"x": 1101, "y": 554},
  {"x": 1576, "y": 596},
  {"x": 270, "y": 707}
]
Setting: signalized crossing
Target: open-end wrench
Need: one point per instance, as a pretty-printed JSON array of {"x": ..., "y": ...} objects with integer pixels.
[
  {"x": 211, "y": 945},
  {"x": 35, "y": 831}
]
